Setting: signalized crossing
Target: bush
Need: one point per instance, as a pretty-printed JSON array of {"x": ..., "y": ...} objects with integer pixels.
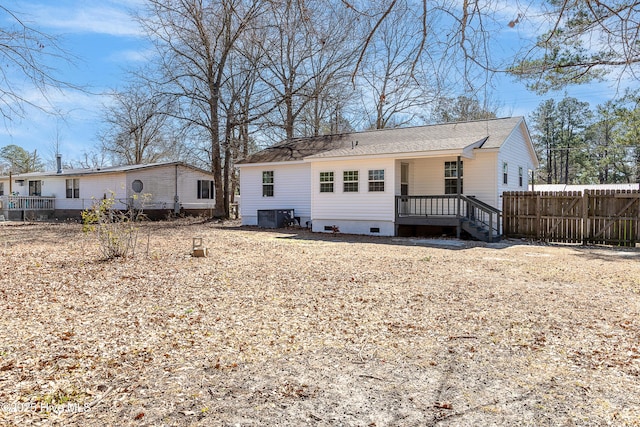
[{"x": 115, "y": 230}]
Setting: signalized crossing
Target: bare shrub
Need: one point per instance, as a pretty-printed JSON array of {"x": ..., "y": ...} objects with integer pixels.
[{"x": 115, "y": 229}]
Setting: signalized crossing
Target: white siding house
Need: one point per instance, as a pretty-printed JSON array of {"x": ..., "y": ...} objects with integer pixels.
[
  {"x": 165, "y": 188},
  {"x": 290, "y": 185},
  {"x": 382, "y": 182}
]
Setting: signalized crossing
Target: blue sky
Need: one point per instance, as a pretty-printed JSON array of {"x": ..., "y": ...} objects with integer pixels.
[{"x": 106, "y": 42}]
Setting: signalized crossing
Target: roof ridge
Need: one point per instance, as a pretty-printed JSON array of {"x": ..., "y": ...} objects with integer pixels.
[{"x": 362, "y": 132}]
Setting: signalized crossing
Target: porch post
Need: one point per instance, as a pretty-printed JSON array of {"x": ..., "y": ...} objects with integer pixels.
[{"x": 458, "y": 191}]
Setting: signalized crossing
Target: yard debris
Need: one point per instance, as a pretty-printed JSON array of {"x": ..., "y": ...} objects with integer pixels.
[{"x": 292, "y": 327}]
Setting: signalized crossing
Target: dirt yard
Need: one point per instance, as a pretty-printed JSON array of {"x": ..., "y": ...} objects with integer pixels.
[{"x": 291, "y": 328}]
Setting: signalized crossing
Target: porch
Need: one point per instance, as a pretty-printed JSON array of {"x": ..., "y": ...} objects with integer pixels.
[
  {"x": 480, "y": 220},
  {"x": 26, "y": 207}
]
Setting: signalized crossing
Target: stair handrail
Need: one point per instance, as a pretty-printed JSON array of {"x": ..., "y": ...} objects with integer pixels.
[{"x": 485, "y": 208}]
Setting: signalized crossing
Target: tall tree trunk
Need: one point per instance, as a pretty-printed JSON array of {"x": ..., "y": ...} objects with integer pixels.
[
  {"x": 288, "y": 121},
  {"x": 216, "y": 162},
  {"x": 228, "y": 138}
]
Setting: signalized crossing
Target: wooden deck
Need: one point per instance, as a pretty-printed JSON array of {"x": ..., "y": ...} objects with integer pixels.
[{"x": 451, "y": 210}]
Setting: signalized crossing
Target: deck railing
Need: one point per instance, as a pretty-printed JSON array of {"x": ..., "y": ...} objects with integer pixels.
[
  {"x": 27, "y": 203},
  {"x": 451, "y": 205},
  {"x": 443, "y": 205},
  {"x": 484, "y": 214}
]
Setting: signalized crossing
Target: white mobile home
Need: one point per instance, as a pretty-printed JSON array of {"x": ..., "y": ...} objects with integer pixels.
[
  {"x": 167, "y": 187},
  {"x": 385, "y": 182}
]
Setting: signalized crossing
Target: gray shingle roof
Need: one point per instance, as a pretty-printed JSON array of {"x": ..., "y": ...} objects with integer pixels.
[{"x": 420, "y": 139}]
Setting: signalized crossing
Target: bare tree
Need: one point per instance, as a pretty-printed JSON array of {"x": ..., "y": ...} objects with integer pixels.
[
  {"x": 462, "y": 108},
  {"x": 241, "y": 106},
  {"x": 450, "y": 37},
  {"x": 195, "y": 39},
  {"x": 137, "y": 126},
  {"x": 395, "y": 87},
  {"x": 93, "y": 159},
  {"x": 580, "y": 41},
  {"x": 308, "y": 47},
  {"x": 25, "y": 54}
]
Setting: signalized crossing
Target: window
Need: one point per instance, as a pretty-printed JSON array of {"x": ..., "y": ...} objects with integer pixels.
[
  {"x": 326, "y": 182},
  {"x": 451, "y": 177},
  {"x": 137, "y": 186},
  {"x": 520, "y": 176},
  {"x": 505, "y": 173},
  {"x": 404, "y": 179},
  {"x": 350, "y": 181},
  {"x": 1, "y": 188},
  {"x": 205, "y": 189},
  {"x": 35, "y": 188},
  {"x": 73, "y": 188},
  {"x": 267, "y": 184},
  {"x": 376, "y": 180}
]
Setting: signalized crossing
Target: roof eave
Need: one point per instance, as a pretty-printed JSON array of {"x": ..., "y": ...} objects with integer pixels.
[{"x": 269, "y": 164}]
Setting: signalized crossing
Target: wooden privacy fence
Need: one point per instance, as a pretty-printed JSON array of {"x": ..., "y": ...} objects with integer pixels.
[{"x": 595, "y": 216}]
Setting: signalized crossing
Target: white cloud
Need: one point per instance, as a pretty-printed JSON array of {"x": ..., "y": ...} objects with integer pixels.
[
  {"x": 112, "y": 18},
  {"x": 132, "y": 55}
]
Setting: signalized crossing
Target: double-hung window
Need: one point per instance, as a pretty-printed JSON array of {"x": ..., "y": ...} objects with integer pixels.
[
  {"x": 376, "y": 180},
  {"x": 326, "y": 182},
  {"x": 350, "y": 181},
  {"x": 451, "y": 177},
  {"x": 505, "y": 173},
  {"x": 267, "y": 183},
  {"x": 520, "y": 176},
  {"x": 73, "y": 188}
]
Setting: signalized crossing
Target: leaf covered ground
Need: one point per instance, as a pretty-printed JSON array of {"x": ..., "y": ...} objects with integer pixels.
[{"x": 292, "y": 328}]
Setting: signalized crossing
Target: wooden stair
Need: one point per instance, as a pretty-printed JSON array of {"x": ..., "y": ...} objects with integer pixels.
[{"x": 478, "y": 230}]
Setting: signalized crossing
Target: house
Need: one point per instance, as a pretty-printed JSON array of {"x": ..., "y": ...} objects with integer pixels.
[
  {"x": 172, "y": 187},
  {"x": 392, "y": 181}
]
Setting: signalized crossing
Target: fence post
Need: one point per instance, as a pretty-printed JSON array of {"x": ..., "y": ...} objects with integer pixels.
[
  {"x": 538, "y": 216},
  {"x": 585, "y": 216},
  {"x": 506, "y": 206}
]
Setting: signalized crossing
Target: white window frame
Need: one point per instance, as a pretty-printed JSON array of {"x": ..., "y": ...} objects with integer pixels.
[
  {"x": 505, "y": 173},
  {"x": 349, "y": 178},
  {"x": 520, "y": 176},
  {"x": 451, "y": 177},
  {"x": 73, "y": 190},
  {"x": 268, "y": 184},
  {"x": 326, "y": 181},
  {"x": 376, "y": 180}
]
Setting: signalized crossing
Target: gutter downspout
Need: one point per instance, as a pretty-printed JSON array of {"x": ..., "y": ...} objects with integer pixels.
[{"x": 176, "y": 198}]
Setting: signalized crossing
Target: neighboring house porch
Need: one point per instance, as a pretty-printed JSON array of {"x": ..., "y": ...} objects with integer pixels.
[{"x": 26, "y": 207}]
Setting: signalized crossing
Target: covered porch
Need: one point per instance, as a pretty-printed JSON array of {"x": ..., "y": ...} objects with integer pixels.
[
  {"x": 26, "y": 207},
  {"x": 447, "y": 191}
]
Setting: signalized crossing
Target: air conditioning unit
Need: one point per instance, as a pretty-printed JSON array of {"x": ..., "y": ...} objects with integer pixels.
[{"x": 275, "y": 218}]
